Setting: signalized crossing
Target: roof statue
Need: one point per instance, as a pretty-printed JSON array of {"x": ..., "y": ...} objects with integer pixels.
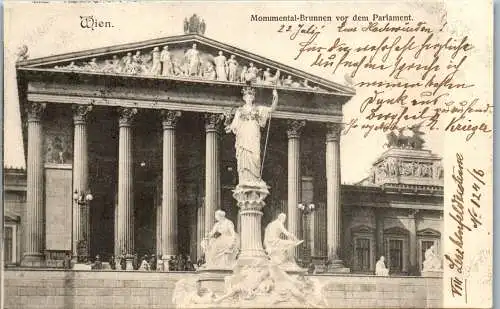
[
  {"x": 195, "y": 25},
  {"x": 401, "y": 140},
  {"x": 22, "y": 53}
]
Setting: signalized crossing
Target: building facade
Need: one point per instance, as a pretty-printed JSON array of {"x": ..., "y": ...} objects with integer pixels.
[
  {"x": 126, "y": 153},
  {"x": 14, "y": 211},
  {"x": 396, "y": 212},
  {"x": 397, "y": 220}
]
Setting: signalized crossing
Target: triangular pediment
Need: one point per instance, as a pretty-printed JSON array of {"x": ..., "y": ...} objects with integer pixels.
[
  {"x": 149, "y": 60},
  {"x": 362, "y": 229},
  {"x": 396, "y": 231},
  {"x": 429, "y": 233}
]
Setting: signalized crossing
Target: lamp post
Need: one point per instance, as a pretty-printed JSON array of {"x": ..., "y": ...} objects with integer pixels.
[
  {"x": 306, "y": 209},
  {"x": 82, "y": 199}
]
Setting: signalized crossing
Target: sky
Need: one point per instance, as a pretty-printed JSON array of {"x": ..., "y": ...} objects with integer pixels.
[{"x": 55, "y": 29}]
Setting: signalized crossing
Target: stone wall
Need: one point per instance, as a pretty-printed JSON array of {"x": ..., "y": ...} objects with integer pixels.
[{"x": 112, "y": 289}]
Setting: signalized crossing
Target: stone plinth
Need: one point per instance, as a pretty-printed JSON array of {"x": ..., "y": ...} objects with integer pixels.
[
  {"x": 80, "y": 266},
  {"x": 212, "y": 279},
  {"x": 337, "y": 266},
  {"x": 432, "y": 273},
  {"x": 129, "y": 264},
  {"x": 250, "y": 200}
]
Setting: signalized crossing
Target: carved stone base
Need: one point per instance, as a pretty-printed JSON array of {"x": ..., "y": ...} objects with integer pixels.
[
  {"x": 250, "y": 286},
  {"x": 164, "y": 265},
  {"x": 33, "y": 259},
  {"x": 80, "y": 266},
  {"x": 432, "y": 273},
  {"x": 33, "y": 263},
  {"x": 337, "y": 266},
  {"x": 130, "y": 265}
]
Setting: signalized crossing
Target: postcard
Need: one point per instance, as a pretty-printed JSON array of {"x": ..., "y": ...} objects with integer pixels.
[{"x": 329, "y": 154}]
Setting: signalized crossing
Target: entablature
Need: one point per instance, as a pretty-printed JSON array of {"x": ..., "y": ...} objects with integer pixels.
[{"x": 178, "y": 95}]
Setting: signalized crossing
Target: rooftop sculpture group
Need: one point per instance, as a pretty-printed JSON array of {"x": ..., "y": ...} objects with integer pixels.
[
  {"x": 407, "y": 142},
  {"x": 194, "y": 24},
  {"x": 417, "y": 167}
]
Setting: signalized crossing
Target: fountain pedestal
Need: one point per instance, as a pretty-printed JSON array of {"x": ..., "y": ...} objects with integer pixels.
[{"x": 250, "y": 200}]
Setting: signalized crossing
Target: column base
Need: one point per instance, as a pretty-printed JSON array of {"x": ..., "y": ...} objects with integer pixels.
[
  {"x": 165, "y": 259},
  {"x": 130, "y": 265},
  {"x": 337, "y": 266},
  {"x": 81, "y": 266},
  {"x": 432, "y": 273},
  {"x": 33, "y": 259}
]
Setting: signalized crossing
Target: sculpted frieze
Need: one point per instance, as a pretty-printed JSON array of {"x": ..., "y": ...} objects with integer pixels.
[
  {"x": 190, "y": 63},
  {"x": 392, "y": 167}
]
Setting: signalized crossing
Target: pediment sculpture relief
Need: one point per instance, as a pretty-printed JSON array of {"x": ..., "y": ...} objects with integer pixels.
[{"x": 192, "y": 63}]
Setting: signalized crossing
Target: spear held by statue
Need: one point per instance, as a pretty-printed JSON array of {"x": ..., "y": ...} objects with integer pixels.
[{"x": 273, "y": 107}]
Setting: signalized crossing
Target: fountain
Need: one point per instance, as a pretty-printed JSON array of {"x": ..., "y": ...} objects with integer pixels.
[{"x": 255, "y": 278}]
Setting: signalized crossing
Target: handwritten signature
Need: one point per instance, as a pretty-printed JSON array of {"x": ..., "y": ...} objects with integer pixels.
[{"x": 466, "y": 217}]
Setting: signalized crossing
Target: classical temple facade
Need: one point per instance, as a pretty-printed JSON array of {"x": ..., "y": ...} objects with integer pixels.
[{"x": 126, "y": 153}]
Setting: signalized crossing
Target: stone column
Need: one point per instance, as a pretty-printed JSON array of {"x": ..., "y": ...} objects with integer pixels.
[
  {"x": 412, "y": 226},
  {"x": 212, "y": 170},
  {"x": 238, "y": 223},
  {"x": 34, "y": 233},
  {"x": 294, "y": 181},
  {"x": 334, "y": 211},
  {"x": 169, "y": 186},
  {"x": 124, "y": 242},
  {"x": 379, "y": 231},
  {"x": 313, "y": 234},
  {"x": 81, "y": 215},
  {"x": 158, "y": 230},
  {"x": 200, "y": 229},
  {"x": 307, "y": 183}
]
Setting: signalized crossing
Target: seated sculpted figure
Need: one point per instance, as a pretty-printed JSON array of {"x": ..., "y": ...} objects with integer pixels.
[
  {"x": 432, "y": 261},
  {"x": 222, "y": 244},
  {"x": 278, "y": 242},
  {"x": 380, "y": 269}
]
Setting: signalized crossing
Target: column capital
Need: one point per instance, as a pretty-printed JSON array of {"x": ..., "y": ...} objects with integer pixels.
[
  {"x": 35, "y": 111},
  {"x": 80, "y": 113},
  {"x": 169, "y": 118},
  {"x": 295, "y": 128},
  {"x": 126, "y": 116},
  {"x": 333, "y": 131},
  {"x": 213, "y": 122}
]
